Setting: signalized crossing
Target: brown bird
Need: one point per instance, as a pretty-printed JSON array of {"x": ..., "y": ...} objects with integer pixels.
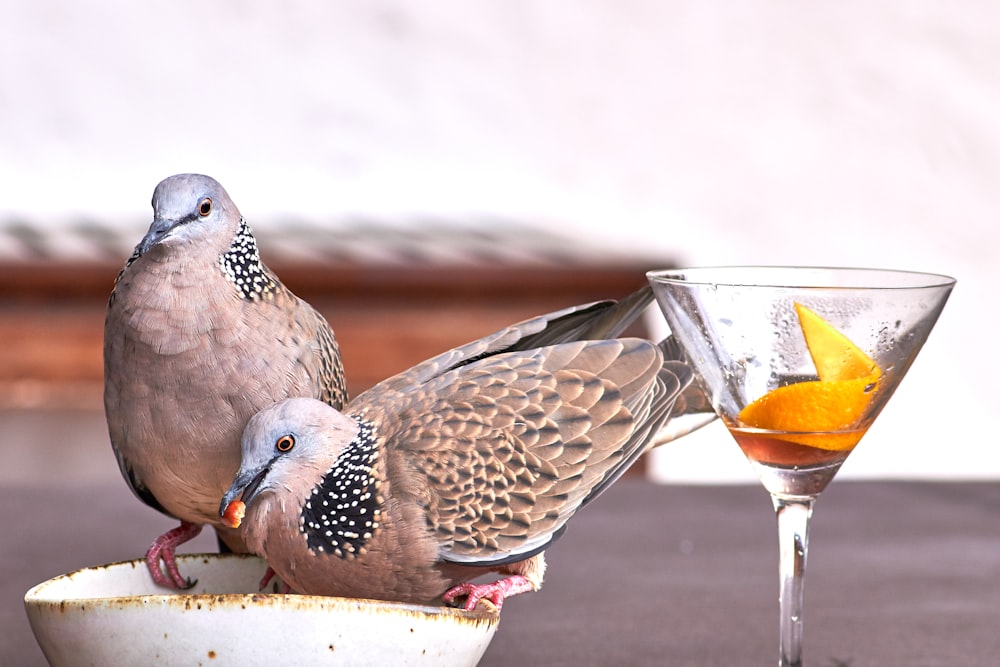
[
  {"x": 200, "y": 335},
  {"x": 469, "y": 463}
]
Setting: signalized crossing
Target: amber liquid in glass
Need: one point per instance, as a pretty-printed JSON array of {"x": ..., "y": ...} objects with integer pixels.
[{"x": 793, "y": 465}]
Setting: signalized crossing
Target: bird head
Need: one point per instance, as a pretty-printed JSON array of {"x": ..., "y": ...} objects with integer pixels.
[
  {"x": 293, "y": 441},
  {"x": 188, "y": 208}
]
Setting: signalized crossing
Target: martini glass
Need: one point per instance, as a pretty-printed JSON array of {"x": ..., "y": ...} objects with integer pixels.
[{"x": 745, "y": 331}]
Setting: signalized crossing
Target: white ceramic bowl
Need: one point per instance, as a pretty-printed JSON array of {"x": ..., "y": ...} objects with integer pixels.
[{"x": 114, "y": 615}]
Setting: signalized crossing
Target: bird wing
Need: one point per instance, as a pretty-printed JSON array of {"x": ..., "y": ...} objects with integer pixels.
[
  {"x": 323, "y": 362},
  {"x": 509, "y": 447},
  {"x": 591, "y": 321}
]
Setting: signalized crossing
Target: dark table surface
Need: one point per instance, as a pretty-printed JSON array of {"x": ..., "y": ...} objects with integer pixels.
[{"x": 900, "y": 573}]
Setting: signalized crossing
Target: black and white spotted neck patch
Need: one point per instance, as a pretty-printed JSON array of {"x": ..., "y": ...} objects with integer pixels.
[
  {"x": 242, "y": 266},
  {"x": 344, "y": 510}
]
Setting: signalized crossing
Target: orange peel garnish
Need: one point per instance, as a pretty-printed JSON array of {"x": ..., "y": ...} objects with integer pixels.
[
  {"x": 822, "y": 413},
  {"x": 834, "y": 355}
]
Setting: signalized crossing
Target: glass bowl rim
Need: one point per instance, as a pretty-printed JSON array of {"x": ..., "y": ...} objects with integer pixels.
[{"x": 890, "y": 279}]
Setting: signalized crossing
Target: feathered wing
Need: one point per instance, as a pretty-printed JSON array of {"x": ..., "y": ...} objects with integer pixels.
[
  {"x": 591, "y": 321},
  {"x": 320, "y": 354},
  {"x": 510, "y": 446}
]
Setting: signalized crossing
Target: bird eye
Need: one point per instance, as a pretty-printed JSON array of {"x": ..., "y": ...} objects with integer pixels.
[
  {"x": 205, "y": 207},
  {"x": 285, "y": 443}
]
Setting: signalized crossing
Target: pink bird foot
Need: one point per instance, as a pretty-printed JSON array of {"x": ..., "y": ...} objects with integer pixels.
[
  {"x": 283, "y": 587},
  {"x": 496, "y": 592},
  {"x": 163, "y": 548}
]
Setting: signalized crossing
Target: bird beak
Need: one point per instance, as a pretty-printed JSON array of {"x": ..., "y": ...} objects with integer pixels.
[
  {"x": 156, "y": 232},
  {"x": 245, "y": 486}
]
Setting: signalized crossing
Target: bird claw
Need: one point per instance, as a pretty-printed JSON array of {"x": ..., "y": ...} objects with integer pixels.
[
  {"x": 266, "y": 579},
  {"x": 163, "y": 549},
  {"x": 280, "y": 586},
  {"x": 496, "y": 592}
]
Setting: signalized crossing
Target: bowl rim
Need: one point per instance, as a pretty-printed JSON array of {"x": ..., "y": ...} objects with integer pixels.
[{"x": 35, "y": 595}]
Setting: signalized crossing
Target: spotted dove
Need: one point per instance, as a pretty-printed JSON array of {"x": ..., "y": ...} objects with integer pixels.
[
  {"x": 199, "y": 336},
  {"x": 468, "y": 463}
]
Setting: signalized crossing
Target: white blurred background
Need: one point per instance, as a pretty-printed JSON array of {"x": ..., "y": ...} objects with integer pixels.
[{"x": 851, "y": 133}]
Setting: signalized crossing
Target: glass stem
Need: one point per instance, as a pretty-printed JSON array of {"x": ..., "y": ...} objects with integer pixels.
[{"x": 793, "y": 542}]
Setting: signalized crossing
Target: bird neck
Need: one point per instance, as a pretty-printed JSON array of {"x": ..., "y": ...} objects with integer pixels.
[
  {"x": 242, "y": 266},
  {"x": 344, "y": 510}
]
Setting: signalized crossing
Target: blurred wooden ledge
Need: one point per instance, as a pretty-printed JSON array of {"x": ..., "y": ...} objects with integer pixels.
[{"x": 394, "y": 297}]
